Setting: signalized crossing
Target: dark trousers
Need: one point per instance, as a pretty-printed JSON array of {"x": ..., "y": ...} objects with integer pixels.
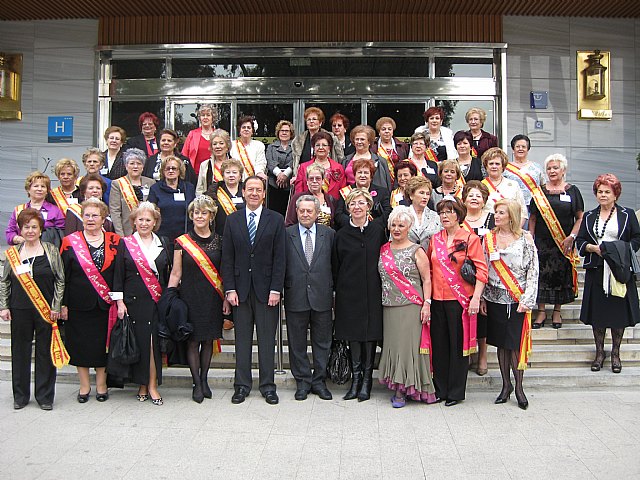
[
  {"x": 278, "y": 199},
  {"x": 449, "y": 365},
  {"x": 265, "y": 318},
  {"x": 23, "y": 325},
  {"x": 321, "y": 334}
]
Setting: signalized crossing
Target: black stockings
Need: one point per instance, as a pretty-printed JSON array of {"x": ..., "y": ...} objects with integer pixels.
[
  {"x": 199, "y": 358},
  {"x": 508, "y": 361}
]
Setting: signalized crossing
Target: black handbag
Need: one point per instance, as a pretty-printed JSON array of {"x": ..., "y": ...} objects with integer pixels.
[
  {"x": 123, "y": 346},
  {"x": 468, "y": 269},
  {"x": 635, "y": 265},
  {"x": 339, "y": 364}
]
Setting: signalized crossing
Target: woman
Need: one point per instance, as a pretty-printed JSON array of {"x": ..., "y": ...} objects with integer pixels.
[
  {"x": 334, "y": 177},
  {"x": 358, "y": 310},
  {"x": 405, "y": 366},
  {"x": 279, "y": 159},
  {"x": 141, "y": 273},
  {"x": 450, "y": 181},
  {"x": 601, "y": 309},
  {"x": 93, "y": 161},
  {"x": 481, "y": 140},
  {"x": 388, "y": 147},
  {"x": 427, "y": 167},
  {"x": 168, "y": 148},
  {"x": 495, "y": 161},
  {"x": 404, "y": 170},
  {"x": 127, "y": 192},
  {"x": 227, "y": 194},
  {"x": 470, "y": 165},
  {"x": 32, "y": 262},
  {"x": 91, "y": 186},
  {"x": 38, "y": 186},
  {"x": 211, "y": 169},
  {"x": 147, "y": 141},
  {"x": 479, "y": 221},
  {"x": 89, "y": 263},
  {"x": 455, "y": 301},
  {"x": 315, "y": 180},
  {"x": 172, "y": 195},
  {"x": 114, "y": 167},
  {"x": 339, "y": 126},
  {"x": 302, "y": 146},
  {"x": 197, "y": 144},
  {"x": 363, "y": 137},
  {"x": 249, "y": 151},
  {"x": 440, "y": 138},
  {"x": 67, "y": 193},
  {"x": 528, "y": 174},
  {"x": 426, "y": 222},
  {"x": 510, "y": 295},
  {"x": 196, "y": 263},
  {"x": 554, "y": 223}
]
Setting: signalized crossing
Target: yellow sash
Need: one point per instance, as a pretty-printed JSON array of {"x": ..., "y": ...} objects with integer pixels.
[
  {"x": 244, "y": 158},
  {"x": 394, "y": 202},
  {"x": 128, "y": 193},
  {"x": 492, "y": 188},
  {"x": 217, "y": 174},
  {"x": 465, "y": 226},
  {"x": 461, "y": 182},
  {"x": 516, "y": 291},
  {"x": 18, "y": 209},
  {"x": 527, "y": 179},
  {"x": 382, "y": 152},
  {"x": 59, "y": 355},
  {"x": 207, "y": 268},
  {"x": 430, "y": 154},
  {"x": 344, "y": 191},
  {"x": 76, "y": 209},
  {"x": 61, "y": 199},
  {"x": 225, "y": 202}
]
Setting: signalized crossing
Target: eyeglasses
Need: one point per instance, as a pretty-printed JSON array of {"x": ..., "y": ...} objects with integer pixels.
[
  {"x": 314, "y": 179},
  {"x": 321, "y": 145},
  {"x": 418, "y": 144},
  {"x": 168, "y": 169},
  {"x": 446, "y": 212},
  {"x": 148, "y": 124},
  {"x": 361, "y": 203},
  {"x": 90, "y": 216}
]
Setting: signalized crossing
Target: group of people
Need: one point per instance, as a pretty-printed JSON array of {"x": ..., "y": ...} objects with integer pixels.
[{"x": 431, "y": 250}]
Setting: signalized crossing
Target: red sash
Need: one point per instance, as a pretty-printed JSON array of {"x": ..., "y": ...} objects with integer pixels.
[
  {"x": 225, "y": 201},
  {"x": 61, "y": 199},
  {"x": 244, "y": 158},
  {"x": 492, "y": 188},
  {"x": 207, "y": 268},
  {"x": 382, "y": 152},
  {"x": 527, "y": 179},
  {"x": 147, "y": 275},
  {"x": 431, "y": 155}
]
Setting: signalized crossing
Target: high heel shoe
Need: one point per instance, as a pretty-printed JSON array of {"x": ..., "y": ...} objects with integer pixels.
[
  {"x": 599, "y": 361},
  {"x": 616, "y": 364},
  {"x": 197, "y": 394},
  {"x": 503, "y": 398},
  {"x": 83, "y": 397},
  {"x": 524, "y": 403},
  {"x": 555, "y": 324},
  {"x": 537, "y": 325}
]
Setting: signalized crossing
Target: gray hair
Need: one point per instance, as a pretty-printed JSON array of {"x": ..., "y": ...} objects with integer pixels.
[
  {"x": 556, "y": 157},
  {"x": 223, "y": 134},
  {"x": 132, "y": 153},
  {"x": 400, "y": 213},
  {"x": 314, "y": 167},
  {"x": 308, "y": 198},
  {"x": 212, "y": 108}
]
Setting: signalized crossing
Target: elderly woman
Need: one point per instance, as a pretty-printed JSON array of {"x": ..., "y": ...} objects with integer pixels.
[
  {"x": 455, "y": 301},
  {"x": 211, "y": 169},
  {"x": 279, "y": 159},
  {"x": 495, "y": 161},
  {"x": 89, "y": 263},
  {"x": 603, "y": 306},
  {"x": 227, "y": 194},
  {"x": 406, "y": 314},
  {"x": 440, "y": 138},
  {"x": 168, "y": 148},
  {"x": 363, "y": 136},
  {"x": 172, "y": 195},
  {"x": 358, "y": 310},
  {"x": 426, "y": 222},
  {"x": 250, "y": 152},
  {"x": 528, "y": 174},
  {"x": 339, "y": 126},
  {"x": 481, "y": 140},
  {"x": 334, "y": 176},
  {"x": 196, "y": 265},
  {"x": 470, "y": 165},
  {"x": 32, "y": 275},
  {"x": 93, "y": 161},
  {"x": 388, "y": 147},
  {"x": 38, "y": 186},
  {"x": 91, "y": 186},
  {"x": 315, "y": 180},
  {"x": 426, "y": 167},
  {"x": 141, "y": 273},
  {"x": 302, "y": 145},
  {"x": 510, "y": 295},
  {"x": 197, "y": 145},
  {"x": 67, "y": 193},
  {"x": 147, "y": 141},
  {"x": 128, "y": 191},
  {"x": 554, "y": 223},
  {"x": 113, "y": 166},
  {"x": 404, "y": 170},
  {"x": 450, "y": 181}
]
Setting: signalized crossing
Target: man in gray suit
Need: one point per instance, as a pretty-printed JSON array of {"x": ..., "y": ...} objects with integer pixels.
[{"x": 308, "y": 297}]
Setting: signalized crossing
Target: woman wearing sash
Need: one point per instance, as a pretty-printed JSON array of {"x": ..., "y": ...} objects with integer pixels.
[
  {"x": 196, "y": 264},
  {"x": 405, "y": 365},
  {"x": 451, "y": 182},
  {"x": 470, "y": 164},
  {"x": 93, "y": 161},
  {"x": 113, "y": 166},
  {"x": 211, "y": 169},
  {"x": 358, "y": 310},
  {"x": 440, "y": 138},
  {"x": 495, "y": 161},
  {"x": 142, "y": 272},
  {"x": 426, "y": 222},
  {"x": 128, "y": 191},
  {"x": 31, "y": 291},
  {"x": 168, "y": 148},
  {"x": 227, "y": 194},
  {"x": 424, "y": 159},
  {"x": 315, "y": 180},
  {"x": 601, "y": 308},
  {"x": 363, "y": 136},
  {"x": 334, "y": 177},
  {"x": 67, "y": 193},
  {"x": 38, "y": 186},
  {"x": 91, "y": 186},
  {"x": 388, "y": 147},
  {"x": 481, "y": 140},
  {"x": 526, "y": 173},
  {"x": 197, "y": 145},
  {"x": 89, "y": 263},
  {"x": 279, "y": 159},
  {"x": 403, "y": 171},
  {"x": 556, "y": 214},
  {"x": 455, "y": 302},
  {"x": 510, "y": 295},
  {"x": 250, "y": 152}
]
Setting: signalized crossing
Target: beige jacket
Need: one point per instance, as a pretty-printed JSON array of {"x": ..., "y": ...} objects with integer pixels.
[{"x": 119, "y": 210}]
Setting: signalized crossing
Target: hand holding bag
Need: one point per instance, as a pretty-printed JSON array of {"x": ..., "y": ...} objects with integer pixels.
[
  {"x": 468, "y": 269},
  {"x": 124, "y": 347}
]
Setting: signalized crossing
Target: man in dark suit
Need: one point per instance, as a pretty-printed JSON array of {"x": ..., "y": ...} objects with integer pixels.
[
  {"x": 253, "y": 261},
  {"x": 308, "y": 297}
]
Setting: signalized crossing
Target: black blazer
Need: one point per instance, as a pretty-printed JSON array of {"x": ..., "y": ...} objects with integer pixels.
[
  {"x": 380, "y": 211},
  {"x": 138, "y": 141},
  {"x": 261, "y": 264},
  {"x": 628, "y": 231},
  {"x": 189, "y": 176},
  {"x": 485, "y": 142}
]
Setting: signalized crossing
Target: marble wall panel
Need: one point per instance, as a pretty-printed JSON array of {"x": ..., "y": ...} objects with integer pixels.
[
  {"x": 602, "y": 33},
  {"x": 83, "y": 128},
  {"x": 17, "y": 133},
  {"x": 619, "y": 132},
  {"x": 66, "y": 33},
  {"x": 519, "y": 30},
  {"x": 64, "y": 97},
  {"x": 47, "y": 157},
  {"x": 65, "y": 64},
  {"x": 517, "y": 123},
  {"x": 595, "y": 161},
  {"x": 623, "y": 96},
  {"x": 539, "y": 61},
  {"x": 519, "y": 89}
]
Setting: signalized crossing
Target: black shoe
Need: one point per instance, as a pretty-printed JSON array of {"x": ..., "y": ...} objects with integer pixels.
[
  {"x": 239, "y": 395},
  {"x": 616, "y": 364},
  {"x": 206, "y": 389},
  {"x": 18, "y": 406},
  {"x": 83, "y": 397},
  {"x": 46, "y": 406},
  {"x": 323, "y": 393},
  {"x": 271, "y": 397},
  {"x": 524, "y": 404},
  {"x": 356, "y": 385},
  {"x": 301, "y": 394},
  {"x": 451, "y": 403},
  {"x": 504, "y": 396},
  {"x": 537, "y": 326},
  {"x": 102, "y": 397},
  {"x": 598, "y": 362},
  {"x": 367, "y": 383},
  {"x": 197, "y": 394}
]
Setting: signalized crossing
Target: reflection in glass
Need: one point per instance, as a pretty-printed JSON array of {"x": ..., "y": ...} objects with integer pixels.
[
  {"x": 464, "y": 67},
  {"x": 350, "y": 110},
  {"x": 408, "y": 116},
  {"x": 455, "y": 111},
  {"x": 125, "y": 114},
  {"x": 267, "y": 115},
  {"x": 186, "y": 117},
  {"x": 130, "y": 69}
]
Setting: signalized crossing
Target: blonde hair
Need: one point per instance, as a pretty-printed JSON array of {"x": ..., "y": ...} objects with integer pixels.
[
  {"x": 181, "y": 168},
  {"x": 450, "y": 163},
  {"x": 64, "y": 163},
  {"x": 514, "y": 210},
  {"x": 202, "y": 202},
  {"x": 35, "y": 176},
  {"x": 150, "y": 207},
  {"x": 477, "y": 110},
  {"x": 359, "y": 192},
  {"x": 495, "y": 152}
]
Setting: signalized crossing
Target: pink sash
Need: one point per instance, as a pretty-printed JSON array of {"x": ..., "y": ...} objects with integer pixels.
[
  {"x": 455, "y": 282},
  {"x": 95, "y": 278},
  {"x": 147, "y": 275}
]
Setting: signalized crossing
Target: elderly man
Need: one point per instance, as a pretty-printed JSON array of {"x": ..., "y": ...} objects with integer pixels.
[{"x": 308, "y": 297}]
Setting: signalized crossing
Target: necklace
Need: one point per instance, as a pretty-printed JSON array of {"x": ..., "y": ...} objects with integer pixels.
[
  {"x": 604, "y": 226},
  {"x": 474, "y": 219}
]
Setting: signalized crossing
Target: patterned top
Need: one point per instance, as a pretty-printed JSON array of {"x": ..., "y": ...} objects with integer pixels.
[
  {"x": 522, "y": 258},
  {"x": 421, "y": 232},
  {"x": 406, "y": 261},
  {"x": 533, "y": 169}
]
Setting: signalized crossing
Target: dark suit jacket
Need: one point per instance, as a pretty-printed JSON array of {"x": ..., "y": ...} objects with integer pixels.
[
  {"x": 380, "y": 211},
  {"x": 138, "y": 141},
  {"x": 261, "y": 264},
  {"x": 308, "y": 287},
  {"x": 486, "y": 142}
]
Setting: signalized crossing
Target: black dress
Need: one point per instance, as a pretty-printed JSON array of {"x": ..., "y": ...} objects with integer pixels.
[
  {"x": 555, "y": 281},
  {"x": 204, "y": 303}
]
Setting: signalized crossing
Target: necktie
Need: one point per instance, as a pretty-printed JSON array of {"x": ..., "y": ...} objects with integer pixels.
[
  {"x": 252, "y": 227},
  {"x": 308, "y": 247}
]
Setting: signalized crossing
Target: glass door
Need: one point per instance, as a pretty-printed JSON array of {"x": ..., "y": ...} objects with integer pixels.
[{"x": 184, "y": 114}]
